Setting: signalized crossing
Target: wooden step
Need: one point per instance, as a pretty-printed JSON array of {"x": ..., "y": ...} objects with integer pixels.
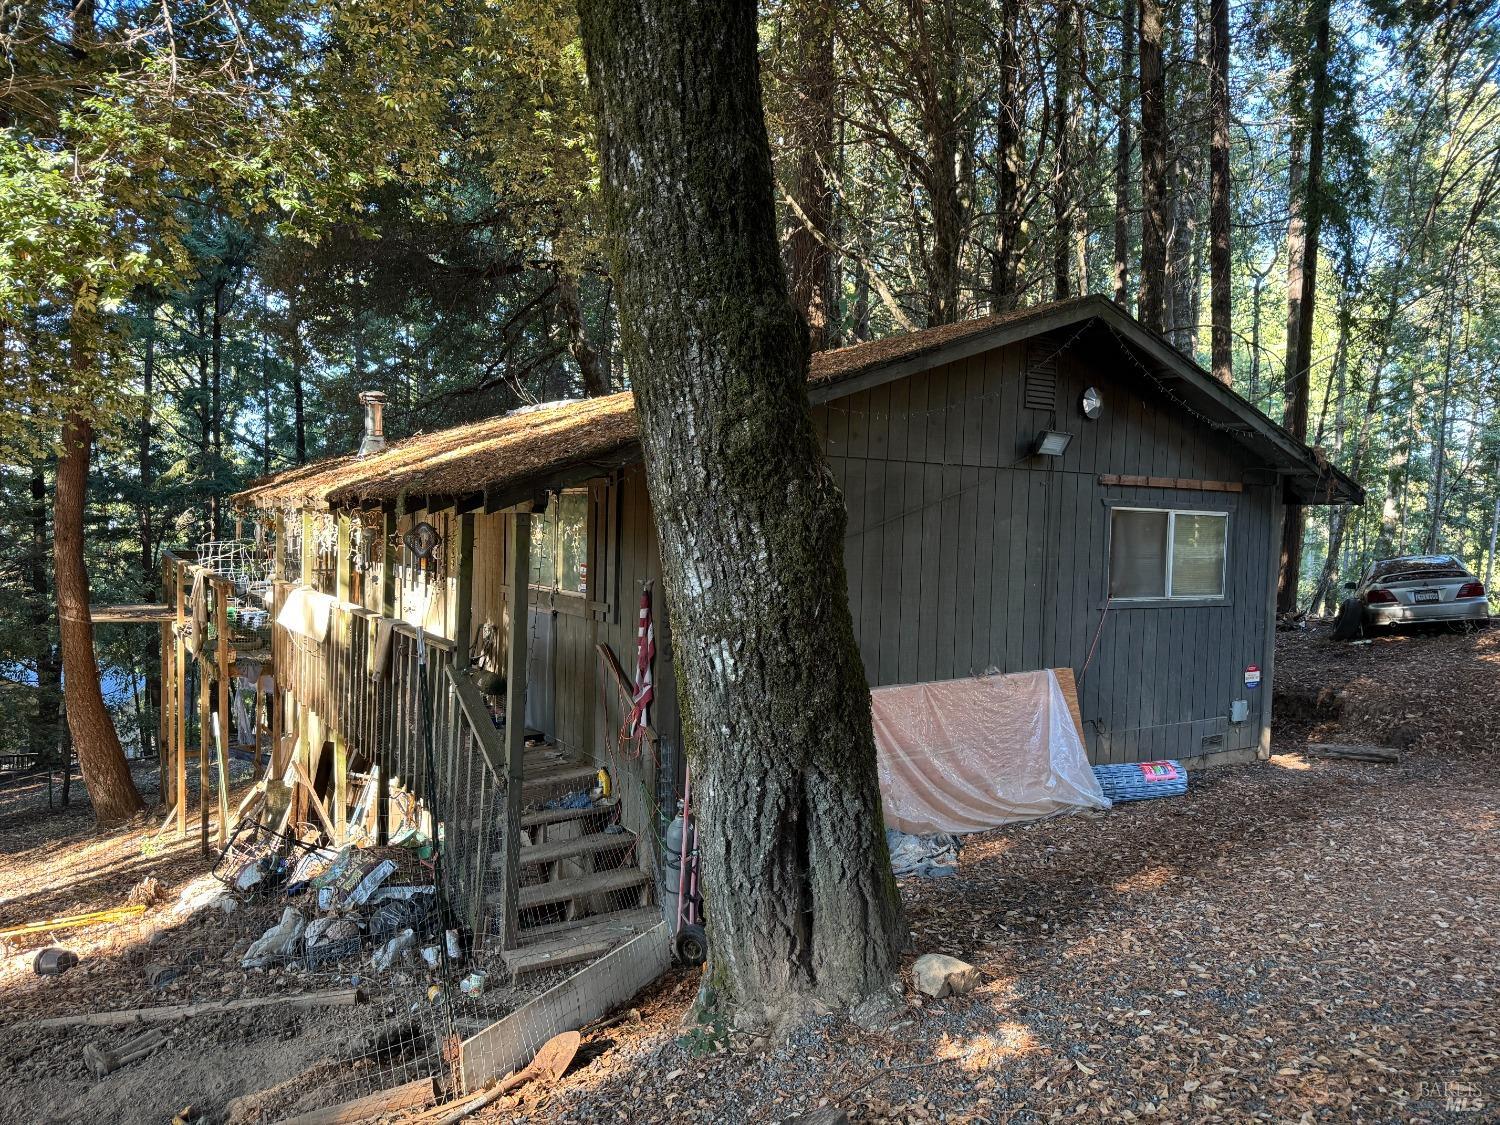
[
  {"x": 541, "y": 818},
  {"x": 644, "y": 916},
  {"x": 582, "y": 942},
  {"x": 564, "y": 778},
  {"x": 564, "y": 890},
  {"x": 591, "y": 844}
]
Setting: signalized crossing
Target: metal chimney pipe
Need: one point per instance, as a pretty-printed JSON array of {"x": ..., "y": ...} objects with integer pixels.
[{"x": 374, "y": 439}]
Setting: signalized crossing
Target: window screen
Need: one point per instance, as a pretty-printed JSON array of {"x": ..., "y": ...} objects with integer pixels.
[
  {"x": 572, "y": 542},
  {"x": 1138, "y": 554},
  {"x": 1198, "y": 555},
  {"x": 543, "y": 546},
  {"x": 1159, "y": 553},
  {"x": 559, "y": 544}
]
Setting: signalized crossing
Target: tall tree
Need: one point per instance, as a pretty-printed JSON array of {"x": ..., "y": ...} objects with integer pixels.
[
  {"x": 800, "y": 897},
  {"x": 1299, "y": 349},
  {"x": 1220, "y": 258},
  {"x": 1009, "y": 212},
  {"x": 1152, "y": 306},
  {"x": 1064, "y": 190},
  {"x": 814, "y": 90},
  {"x": 112, "y": 790},
  {"x": 1129, "y": 13}
]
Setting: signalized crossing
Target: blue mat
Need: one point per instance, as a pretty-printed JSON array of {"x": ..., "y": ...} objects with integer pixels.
[{"x": 1140, "y": 781}]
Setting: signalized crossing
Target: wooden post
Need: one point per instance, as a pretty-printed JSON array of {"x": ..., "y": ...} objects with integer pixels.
[
  {"x": 463, "y": 610},
  {"x": 385, "y": 765},
  {"x": 515, "y": 720},
  {"x": 163, "y": 702},
  {"x": 303, "y": 750},
  {"x": 223, "y": 654},
  {"x": 309, "y": 536},
  {"x": 179, "y": 696},
  {"x": 278, "y": 547},
  {"x": 341, "y": 642},
  {"x": 205, "y": 734}
]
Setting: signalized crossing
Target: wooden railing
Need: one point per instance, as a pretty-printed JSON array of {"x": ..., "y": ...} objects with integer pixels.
[
  {"x": 376, "y": 688},
  {"x": 472, "y": 790}
]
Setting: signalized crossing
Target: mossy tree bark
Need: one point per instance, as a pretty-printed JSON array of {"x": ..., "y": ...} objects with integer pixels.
[{"x": 802, "y": 907}]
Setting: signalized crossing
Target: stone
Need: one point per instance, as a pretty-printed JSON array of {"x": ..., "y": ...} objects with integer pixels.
[{"x": 938, "y": 975}]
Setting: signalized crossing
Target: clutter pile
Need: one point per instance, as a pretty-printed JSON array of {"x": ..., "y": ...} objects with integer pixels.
[{"x": 929, "y": 857}]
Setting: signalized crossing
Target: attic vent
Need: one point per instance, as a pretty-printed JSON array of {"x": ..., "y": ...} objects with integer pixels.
[
  {"x": 1212, "y": 742},
  {"x": 1041, "y": 377}
]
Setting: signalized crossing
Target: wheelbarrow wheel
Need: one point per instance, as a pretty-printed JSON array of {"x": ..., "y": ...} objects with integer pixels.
[{"x": 690, "y": 946}]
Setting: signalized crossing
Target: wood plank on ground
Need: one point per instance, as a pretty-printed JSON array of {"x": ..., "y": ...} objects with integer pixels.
[{"x": 585, "y": 996}]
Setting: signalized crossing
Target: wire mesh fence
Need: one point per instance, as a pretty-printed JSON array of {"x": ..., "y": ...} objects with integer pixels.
[{"x": 419, "y": 913}]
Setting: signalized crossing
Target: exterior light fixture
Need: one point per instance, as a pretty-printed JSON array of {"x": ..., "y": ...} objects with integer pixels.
[
  {"x": 1091, "y": 404},
  {"x": 1051, "y": 443}
]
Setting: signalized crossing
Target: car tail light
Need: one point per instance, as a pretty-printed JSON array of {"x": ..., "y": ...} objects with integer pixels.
[
  {"x": 1379, "y": 597},
  {"x": 1471, "y": 590}
]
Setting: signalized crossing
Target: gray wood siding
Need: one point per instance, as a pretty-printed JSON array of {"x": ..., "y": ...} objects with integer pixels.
[
  {"x": 568, "y": 694},
  {"x": 965, "y": 555}
]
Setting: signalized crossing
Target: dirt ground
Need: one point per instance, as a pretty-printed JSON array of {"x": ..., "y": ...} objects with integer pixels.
[{"x": 1295, "y": 940}]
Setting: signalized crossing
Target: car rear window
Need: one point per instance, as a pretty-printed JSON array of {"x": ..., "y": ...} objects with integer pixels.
[{"x": 1427, "y": 566}]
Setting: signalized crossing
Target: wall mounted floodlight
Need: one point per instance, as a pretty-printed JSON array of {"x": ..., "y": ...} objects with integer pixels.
[{"x": 1051, "y": 443}]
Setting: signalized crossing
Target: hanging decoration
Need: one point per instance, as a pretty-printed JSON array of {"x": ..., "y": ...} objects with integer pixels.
[{"x": 424, "y": 543}]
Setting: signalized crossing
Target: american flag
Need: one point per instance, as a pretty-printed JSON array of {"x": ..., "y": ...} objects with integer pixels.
[{"x": 645, "y": 655}]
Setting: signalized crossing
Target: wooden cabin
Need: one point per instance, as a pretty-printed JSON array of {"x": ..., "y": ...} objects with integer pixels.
[{"x": 1051, "y": 488}]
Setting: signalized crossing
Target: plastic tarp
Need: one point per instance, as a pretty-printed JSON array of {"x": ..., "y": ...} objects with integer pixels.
[{"x": 972, "y": 754}]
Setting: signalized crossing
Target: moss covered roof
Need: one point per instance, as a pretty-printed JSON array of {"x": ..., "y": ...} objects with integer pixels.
[{"x": 510, "y": 456}]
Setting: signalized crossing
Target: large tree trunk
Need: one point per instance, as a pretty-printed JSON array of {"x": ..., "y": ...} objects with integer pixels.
[
  {"x": 1004, "y": 288},
  {"x": 1063, "y": 193},
  {"x": 105, "y": 771},
  {"x": 1221, "y": 346},
  {"x": 1152, "y": 305},
  {"x": 1184, "y": 242},
  {"x": 939, "y": 172},
  {"x": 810, "y": 257},
  {"x": 801, "y": 904},
  {"x": 1299, "y": 368},
  {"x": 1128, "y": 16}
]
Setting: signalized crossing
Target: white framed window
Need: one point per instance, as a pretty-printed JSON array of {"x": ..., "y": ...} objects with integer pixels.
[{"x": 1165, "y": 553}]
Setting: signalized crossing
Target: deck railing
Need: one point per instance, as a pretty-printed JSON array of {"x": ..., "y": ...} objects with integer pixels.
[{"x": 378, "y": 686}]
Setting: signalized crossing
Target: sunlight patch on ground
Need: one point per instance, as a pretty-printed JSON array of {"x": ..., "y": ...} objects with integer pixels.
[
  {"x": 987, "y": 1049},
  {"x": 1290, "y": 762},
  {"x": 1145, "y": 880},
  {"x": 985, "y": 847}
]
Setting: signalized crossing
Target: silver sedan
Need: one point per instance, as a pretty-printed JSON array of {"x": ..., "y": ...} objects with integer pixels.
[{"x": 1414, "y": 589}]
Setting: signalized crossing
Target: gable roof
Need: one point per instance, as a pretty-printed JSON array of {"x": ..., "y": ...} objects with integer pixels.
[{"x": 508, "y": 459}]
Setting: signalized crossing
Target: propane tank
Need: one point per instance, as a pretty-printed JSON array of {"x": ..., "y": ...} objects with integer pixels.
[{"x": 674, "y": 838}]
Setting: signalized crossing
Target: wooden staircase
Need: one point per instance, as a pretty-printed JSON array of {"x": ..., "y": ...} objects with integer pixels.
[{"x": 583, "y": 887}]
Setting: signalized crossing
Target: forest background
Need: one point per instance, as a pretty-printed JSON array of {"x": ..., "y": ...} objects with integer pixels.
[{"x": 220, "y": 221}]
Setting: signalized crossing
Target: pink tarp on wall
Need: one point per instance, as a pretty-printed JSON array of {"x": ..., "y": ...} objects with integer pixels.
[{"x": 971, "y": 754}]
